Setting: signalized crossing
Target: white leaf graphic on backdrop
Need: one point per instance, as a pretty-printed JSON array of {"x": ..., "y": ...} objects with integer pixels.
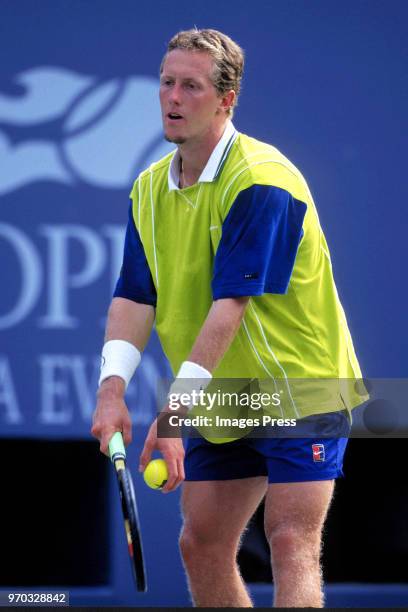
[{"x": 107, "y": 131}]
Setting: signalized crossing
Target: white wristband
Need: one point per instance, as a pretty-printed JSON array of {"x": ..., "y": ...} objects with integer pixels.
[
  {"x": 191, "y": 377},
  {"x": 119, "y": 358}
]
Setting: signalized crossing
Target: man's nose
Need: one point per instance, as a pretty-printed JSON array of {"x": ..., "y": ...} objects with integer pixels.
[{"x": 175, "y": 94}]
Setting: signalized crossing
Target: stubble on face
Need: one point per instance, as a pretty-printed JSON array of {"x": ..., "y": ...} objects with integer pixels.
[{"x": 176, "y": 140}]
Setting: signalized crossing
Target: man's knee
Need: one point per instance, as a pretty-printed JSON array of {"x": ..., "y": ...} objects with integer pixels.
[
  {"x": 198, "y": 546},
  {"x": 290, "y": 540}
]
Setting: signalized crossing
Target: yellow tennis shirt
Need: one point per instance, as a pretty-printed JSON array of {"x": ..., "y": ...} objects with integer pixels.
[{"x": 248, "y": 227}]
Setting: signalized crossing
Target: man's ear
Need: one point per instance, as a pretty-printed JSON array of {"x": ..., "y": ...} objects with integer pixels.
[{"x": 227, "y": 101}]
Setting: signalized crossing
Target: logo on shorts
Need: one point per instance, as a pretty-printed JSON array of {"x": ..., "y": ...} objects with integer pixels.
[{"x": 318, "y": 452}]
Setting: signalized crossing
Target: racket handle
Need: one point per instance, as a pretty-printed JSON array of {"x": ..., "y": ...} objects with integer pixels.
[{"x": 116, "y": 446}]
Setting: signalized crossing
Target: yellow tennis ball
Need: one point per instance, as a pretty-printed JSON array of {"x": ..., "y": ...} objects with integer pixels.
[{"x": 156, "y": 474}]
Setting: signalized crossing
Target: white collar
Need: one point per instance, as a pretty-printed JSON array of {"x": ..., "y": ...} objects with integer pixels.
[{"x": 213, "y": 165}]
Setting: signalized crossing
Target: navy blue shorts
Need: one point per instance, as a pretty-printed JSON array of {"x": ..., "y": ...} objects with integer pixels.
[{"x": 280, "y": 459}]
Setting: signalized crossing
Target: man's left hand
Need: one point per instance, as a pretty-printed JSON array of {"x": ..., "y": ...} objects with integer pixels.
[{"x": 172, "y": 450}]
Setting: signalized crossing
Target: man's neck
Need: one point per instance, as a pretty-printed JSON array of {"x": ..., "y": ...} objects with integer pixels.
[{"x": 196, "y": 153}]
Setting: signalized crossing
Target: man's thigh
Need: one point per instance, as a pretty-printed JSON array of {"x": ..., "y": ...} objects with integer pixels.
[
  {"x": 296, "y": 511},
  {"x": 224, "y": 485},
  {"x": 217, "y": 512}
]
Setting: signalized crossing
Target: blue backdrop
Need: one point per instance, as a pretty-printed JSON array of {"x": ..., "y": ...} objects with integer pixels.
[{"x": 325, "y": 82}]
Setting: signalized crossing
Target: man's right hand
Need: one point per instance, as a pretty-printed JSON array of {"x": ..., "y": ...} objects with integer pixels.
[{"x": 111, "y": 413}]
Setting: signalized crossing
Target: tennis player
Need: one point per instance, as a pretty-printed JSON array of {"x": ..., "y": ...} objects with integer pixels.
[{"x": 225, "y": 253}]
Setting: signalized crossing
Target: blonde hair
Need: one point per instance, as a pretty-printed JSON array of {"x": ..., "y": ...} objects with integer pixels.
[{"x": 227, "y": 56}]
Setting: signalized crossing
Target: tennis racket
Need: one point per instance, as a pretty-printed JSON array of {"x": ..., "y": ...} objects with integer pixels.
[{"x": 129, "y": 508}]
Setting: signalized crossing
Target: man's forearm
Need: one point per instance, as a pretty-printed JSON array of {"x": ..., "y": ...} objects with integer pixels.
[
  {"x": 218, "y": 331},
  {"x": 131, "y": 321}
]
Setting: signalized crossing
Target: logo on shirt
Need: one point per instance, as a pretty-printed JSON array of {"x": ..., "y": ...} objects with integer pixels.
[
  {"x": 251, "y": 275},
  {"x": 318, "y": 452}
]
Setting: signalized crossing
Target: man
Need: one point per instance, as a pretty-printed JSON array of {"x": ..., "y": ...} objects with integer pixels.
[{"x": 224, "y": 251}]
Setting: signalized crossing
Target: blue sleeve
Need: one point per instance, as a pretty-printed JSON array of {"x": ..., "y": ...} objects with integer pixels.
[
  {"x": 259, "y": 243},
  {"x": 135, "y": 280}
]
